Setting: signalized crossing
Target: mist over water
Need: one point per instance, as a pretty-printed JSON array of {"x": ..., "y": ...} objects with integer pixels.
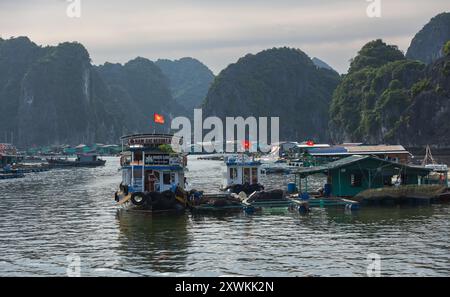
[{"x": 49, "y": 215}]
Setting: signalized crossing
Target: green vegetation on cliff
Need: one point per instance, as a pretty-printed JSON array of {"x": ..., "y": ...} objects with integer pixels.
[
  {"x": 371, "y": 96},
  {"x": 280, "y": 82},
  {"x": 378, "y": 100},
  {"x": 189, "y": 80}
]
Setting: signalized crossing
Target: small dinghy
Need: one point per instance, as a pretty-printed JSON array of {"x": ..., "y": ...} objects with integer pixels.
[{"x": 266, "y": 199}]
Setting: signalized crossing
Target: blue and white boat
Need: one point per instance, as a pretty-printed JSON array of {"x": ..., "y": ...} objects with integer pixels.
[
  {"x": 152, "y": 173},
  {"x": 242, "y": 174}
]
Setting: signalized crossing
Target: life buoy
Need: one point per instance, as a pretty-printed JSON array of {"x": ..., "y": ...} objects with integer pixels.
[{"x": 138, "y": 198}]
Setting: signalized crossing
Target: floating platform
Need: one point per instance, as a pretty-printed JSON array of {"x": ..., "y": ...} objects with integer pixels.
[
  {"x": 11, "y": 175},
  {"x": 404, "y": 195},
  {"x": 252, "y": 206},
  {"x": 328, "y": 202}
]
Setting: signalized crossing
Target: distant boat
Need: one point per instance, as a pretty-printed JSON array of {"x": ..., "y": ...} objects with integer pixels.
[{"x": 82, "y": 160}]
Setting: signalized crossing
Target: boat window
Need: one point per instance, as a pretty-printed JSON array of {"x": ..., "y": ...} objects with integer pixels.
[
  {"x": 246, "y": 175},
  {"x": 356, "y": 180},
  {"x": 137, "y": 157},
  {"x": 233, "y": 173},
  {"x": 254, "y": 175},
  {"x": 166, "y": 178}
]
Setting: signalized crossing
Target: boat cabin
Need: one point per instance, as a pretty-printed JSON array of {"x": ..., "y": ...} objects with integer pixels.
[
  {"x": 351, "y": 175},
  {"x": 242, "y": 170},
  {"x": 8, "y": 155},
  {"x": 150, "y": 165}
]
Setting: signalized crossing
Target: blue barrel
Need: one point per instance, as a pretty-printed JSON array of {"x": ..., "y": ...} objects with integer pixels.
[
  {"x": 291, "y": 188},
  {"x": 304, "y": 196}
]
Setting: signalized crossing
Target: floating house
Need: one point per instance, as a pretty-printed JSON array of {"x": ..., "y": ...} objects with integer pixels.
[
  {"x": 8, "y": 155},
  {"x": 351, "y": 175}
]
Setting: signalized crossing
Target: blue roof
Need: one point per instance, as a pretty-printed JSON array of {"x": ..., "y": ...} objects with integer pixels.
[
  {"x": 251, "y": 163},
  {"x": 328, "y": 150}
]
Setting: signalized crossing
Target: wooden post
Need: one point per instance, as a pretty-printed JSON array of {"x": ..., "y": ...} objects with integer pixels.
[{"x": 132, "y": 168}]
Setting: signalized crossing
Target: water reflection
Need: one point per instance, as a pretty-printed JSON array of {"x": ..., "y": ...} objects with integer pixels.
[
  {"x": 47, "y": 216},
  {"x": 157, "y": 242}
]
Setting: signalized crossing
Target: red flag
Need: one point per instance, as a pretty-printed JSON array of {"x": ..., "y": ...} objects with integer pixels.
[
  {"x": 246, "y": 144},
  {"x": 310, "y": 143},
  {"x": 158, "y": 118}
]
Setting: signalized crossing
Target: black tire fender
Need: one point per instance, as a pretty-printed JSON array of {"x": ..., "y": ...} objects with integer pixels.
[{"x": 138, "y": 198}]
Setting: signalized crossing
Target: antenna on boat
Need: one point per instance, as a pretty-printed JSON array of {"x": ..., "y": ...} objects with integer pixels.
[{"x": 428, "y": 159}]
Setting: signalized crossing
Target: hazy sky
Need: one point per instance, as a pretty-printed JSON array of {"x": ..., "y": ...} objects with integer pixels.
[{"x": 217, "y": 32}]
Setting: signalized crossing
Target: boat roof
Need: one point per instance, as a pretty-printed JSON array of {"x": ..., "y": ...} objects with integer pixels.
[
  {"x": 152, "y": 139},
  {"x": 250, "y": 164},
  {"x": 354, "y": 159},
  {"x": 241, "y": 160},
  {"x": 146, "y": 135},
  {"x": 357, "y": 150}
]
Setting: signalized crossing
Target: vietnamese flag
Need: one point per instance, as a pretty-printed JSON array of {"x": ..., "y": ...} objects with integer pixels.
[
  {"x": 158, "y": 118},
  {"x": 246, "y": 144}
]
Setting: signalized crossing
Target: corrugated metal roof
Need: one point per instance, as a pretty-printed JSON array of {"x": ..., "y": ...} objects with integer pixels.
[
  {"x": 358, "y": 149},
  {"x": 376, "y": 149},
  {"x": 331, "y": 165},
  {"x": 349, "y": 160}
]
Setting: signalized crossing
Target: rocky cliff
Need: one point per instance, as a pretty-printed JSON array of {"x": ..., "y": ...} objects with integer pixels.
[
  {"x": 392, "y": 101},
  {"x": 51, "y": 95},
  {"x": 427, "y": 45},
  {"x": 138, "y": 89},
  {"x": 189, "y": 80},
  {"x": 280, "y": 82}
]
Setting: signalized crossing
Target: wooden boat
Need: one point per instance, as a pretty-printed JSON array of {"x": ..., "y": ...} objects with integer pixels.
[
  {"x": 152, "y": 174},
  {"x": 82, "y": 160}
]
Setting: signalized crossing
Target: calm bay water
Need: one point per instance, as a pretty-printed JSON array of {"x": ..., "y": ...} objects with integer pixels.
[{"x": 48, "y": 216}]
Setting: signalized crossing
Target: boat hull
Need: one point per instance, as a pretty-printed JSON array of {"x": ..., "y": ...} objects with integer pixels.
[
  {"x": 152, "y": 202},
  {"x": 67, "y": 163}
]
